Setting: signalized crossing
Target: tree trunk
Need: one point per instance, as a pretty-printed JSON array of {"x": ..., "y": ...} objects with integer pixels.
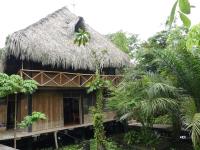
[{"x": 176, "y": 123}]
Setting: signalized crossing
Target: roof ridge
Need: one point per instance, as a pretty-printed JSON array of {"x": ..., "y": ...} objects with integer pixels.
[{"x": 46, "y": 18}]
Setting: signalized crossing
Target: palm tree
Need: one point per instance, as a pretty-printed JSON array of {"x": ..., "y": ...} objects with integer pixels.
[
  {"x": 184, "y": 63},
  {"x": 143, "y": 96},
  {"x": 186, "y": 67},
  {"x": 82, "y": 37}
]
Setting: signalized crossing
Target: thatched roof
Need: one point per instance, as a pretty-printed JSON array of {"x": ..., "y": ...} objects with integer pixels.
[{"x": 51, "y": 42}]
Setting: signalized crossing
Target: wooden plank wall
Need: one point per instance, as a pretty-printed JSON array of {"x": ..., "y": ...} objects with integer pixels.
[
  {"x": 51, "y": 104},
  {"x": 3, "y": 115},
  {"x": 22, "y": 108}
]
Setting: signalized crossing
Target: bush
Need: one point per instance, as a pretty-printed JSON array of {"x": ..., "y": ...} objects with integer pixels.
[
  {"x": 144, "y": 137},
  {"x": 165, "y": 119},
  {"x": 109, "y": 144}
]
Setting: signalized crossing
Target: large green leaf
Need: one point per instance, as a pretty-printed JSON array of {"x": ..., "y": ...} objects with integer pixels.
[
  {"x": 186, "y": 21},
  {"x": 184, "y": 6},
  {"x": 172, "y": 14}
]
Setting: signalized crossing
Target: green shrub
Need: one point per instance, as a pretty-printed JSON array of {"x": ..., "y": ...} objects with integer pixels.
[
  {"x": 165, "y": 119},
  {"x": 144, "y": 137},
  {"x": 109, "y": 144},
  {"x": 72, "y": 147}
]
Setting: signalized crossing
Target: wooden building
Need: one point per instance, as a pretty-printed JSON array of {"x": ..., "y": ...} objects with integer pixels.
[{"x": 45, "y": 52}]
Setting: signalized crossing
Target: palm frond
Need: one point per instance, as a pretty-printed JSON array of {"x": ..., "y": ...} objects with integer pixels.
[
  {"x": 188, "y": 109},
  {"x": 195, "y": 129},
  {"x": 161, "y": 89},
  {"x": 156, "y": 106}
]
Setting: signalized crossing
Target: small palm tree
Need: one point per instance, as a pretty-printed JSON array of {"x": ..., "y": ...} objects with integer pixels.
[{"x": 82, "y": 37}]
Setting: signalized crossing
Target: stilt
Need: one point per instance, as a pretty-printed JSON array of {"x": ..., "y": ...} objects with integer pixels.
[
  {"x": 56, "y": 139},
  {"x": 29, "y": 144},
  {"x": 29, "y": 110},
  {"x": 15, "y": 123}
]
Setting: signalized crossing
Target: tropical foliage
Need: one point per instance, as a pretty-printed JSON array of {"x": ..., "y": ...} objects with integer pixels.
[
  {"x": 82, "y": 37},
  {"x": 183, "y": 8},
  {"x": 92, "y": 145},
  {"x": 97, "y": 86},
  {"x": 148, "y": 138},
  {"x": 164, "y": 81},
  {"x": 12, "y": 85},
  {"x": 30, "y": 119},
  {"x": 15, "y": 84},
  {"x": 126, "y": 42}
]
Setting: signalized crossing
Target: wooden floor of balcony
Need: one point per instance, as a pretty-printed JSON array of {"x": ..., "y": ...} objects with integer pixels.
[
  {"x": 9, "y": 134},
  {"x": 4, "y": 147},
  {"x": 64, "y": 79}
]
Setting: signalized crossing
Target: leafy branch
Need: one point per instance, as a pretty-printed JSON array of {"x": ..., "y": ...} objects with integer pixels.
[{"x": 183, "y": 7}]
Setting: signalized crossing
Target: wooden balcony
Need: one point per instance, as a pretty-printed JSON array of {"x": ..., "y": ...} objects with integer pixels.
[{"x": 64, "y": 79}]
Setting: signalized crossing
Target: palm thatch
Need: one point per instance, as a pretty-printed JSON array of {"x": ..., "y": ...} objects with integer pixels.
[
  {"x": 51, "y": 42},
  {"x": 1, "y": 64}
]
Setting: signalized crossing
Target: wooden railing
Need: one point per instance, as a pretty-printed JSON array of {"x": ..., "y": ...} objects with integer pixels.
[{"x": 64, "y": 79}]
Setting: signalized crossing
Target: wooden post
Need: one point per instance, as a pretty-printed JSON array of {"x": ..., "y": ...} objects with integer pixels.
[
  {"x": 15, "y": 123},
  {"x": 56, "y": 139},
  {"x": 42, "y": 75},
  {"x": 22, "y": 64},
  {"x": 30, "y": 110},
  {"x": 6, "y": 112},
  {"x": 80, "y": 110},
  {"x": 79, "y": 79},
  {"x": 60, "y": 78}
]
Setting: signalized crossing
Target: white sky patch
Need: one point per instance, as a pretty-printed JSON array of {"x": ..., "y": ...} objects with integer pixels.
[{"x": 144, "y": 17}]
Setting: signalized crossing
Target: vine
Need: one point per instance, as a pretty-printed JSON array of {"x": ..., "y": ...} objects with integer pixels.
[{"x": 98, "y": 85}]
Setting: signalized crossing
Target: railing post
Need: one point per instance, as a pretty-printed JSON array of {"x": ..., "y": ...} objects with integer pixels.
[
  {"x": 60, "y": 78},
  {"x": 42, "y": 78},
  {"x": 79, "y": 79},
  {"x": 20, "y": 73}
]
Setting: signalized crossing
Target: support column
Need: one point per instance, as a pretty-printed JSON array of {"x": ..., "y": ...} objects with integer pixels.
[
  {"x": 15, "y": 123},
  {"x": 30, "y": 110},
  {"x": 56, "y": 139},
  {"x": 80, "y": 109}
]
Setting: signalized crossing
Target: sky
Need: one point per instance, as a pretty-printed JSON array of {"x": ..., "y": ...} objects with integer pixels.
[{"x": 143, "y": 17}]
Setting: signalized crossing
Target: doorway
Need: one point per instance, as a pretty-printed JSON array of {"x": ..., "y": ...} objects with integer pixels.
[
  {"x": 71, "y": 111},
  {"x": 10, "y": 113}
]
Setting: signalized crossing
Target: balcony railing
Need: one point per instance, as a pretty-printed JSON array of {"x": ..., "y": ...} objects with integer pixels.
[{"x": 64, "y": 79}]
